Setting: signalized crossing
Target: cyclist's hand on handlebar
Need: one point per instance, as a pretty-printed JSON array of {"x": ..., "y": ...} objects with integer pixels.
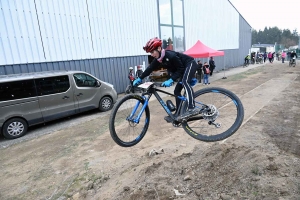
[
  {"x": 167, "y": 83},
  {"x": 137, "y": 82}
]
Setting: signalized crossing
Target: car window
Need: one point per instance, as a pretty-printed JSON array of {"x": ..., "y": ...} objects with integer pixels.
[
  {"x": 17, "y": 90},
  {"x": 52, "y": 85},
  {"x": 84, "y": 80}
]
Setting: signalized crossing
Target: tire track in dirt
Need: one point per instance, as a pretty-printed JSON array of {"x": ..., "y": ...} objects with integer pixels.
[{"x": 263, "y": 94}]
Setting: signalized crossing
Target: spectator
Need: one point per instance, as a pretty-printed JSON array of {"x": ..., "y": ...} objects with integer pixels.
[
  {"x": 265, "y": 56},
  {"x": 131, "y": 77},
  {"x": 199, "y": 71},
  {"x": 273, "y": 56},
  {"x": 270, "y": 57},
  {"x": 139, "y": 71},
  {"x": 283, "y": 55},
  {"x": 206, "y": 73},
  {"x": 212, "y": 65}
]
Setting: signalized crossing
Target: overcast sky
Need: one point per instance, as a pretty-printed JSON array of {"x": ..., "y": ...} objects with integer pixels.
[{"x": 285, "y": 14}]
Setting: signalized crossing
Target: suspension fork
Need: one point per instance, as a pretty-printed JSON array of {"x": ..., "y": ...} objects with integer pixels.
[{"x": 132, "y": 114}]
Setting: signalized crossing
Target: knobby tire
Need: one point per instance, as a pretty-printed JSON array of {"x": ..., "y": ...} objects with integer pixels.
[
  {"x": 124, "y": 132},
  {"x": 197, "y": 128}
]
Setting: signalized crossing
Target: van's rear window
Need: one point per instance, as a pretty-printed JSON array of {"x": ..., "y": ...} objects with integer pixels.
[
  {"x": 52, "y": 85},
  {"x": 17, "y": 90}
]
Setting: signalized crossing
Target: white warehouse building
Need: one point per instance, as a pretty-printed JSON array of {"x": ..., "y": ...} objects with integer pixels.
[{"x": 105, "y": 37}]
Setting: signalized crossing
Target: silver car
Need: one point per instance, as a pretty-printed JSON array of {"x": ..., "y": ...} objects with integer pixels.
[{"x": 34, "y": 98}]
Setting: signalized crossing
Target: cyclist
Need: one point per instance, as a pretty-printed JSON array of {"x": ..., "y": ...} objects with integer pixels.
[
  {"x": 293, "y": 55},
  {"x": 247, "y": 58},
  {"x": 181, "y": 66}
]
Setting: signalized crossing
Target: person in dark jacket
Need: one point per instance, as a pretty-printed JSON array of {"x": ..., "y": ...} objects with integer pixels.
[
  {"x": 139, "y": 71},
  {"x": 181, "y": 66},
  {"x": 212, "y": 65},
  {"x": 265, "y": 56},
  {"x": 199, "y": 71}
]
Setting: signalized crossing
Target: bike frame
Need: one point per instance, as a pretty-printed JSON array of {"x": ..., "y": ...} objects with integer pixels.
[{"x": 162, "y": 103}]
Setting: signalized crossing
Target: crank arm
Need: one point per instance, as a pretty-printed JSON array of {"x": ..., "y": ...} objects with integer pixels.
[
  {"x": 217, "y": 125},
  {"x": 195, "y": 118}
]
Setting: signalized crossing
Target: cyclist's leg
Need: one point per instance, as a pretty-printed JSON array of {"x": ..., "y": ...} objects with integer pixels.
[
  {"x": 188, "y": 75},
  {"x": 132, "y": 88},
  {"x": 186, "y": 79},
  {"x": 177, "y": 92}
]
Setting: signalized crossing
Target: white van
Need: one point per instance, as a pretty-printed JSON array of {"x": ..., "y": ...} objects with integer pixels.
[{"x": 34, "y": 98}]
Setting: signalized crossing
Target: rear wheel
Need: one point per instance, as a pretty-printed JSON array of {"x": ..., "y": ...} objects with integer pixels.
[
  {"x": 124, "y": 129},
  {"x": 14, "y": 128},
  {"x": 221, "y": 116}
]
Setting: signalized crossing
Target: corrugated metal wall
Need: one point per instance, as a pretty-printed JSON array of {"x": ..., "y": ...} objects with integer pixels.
[
  {"x": 95, "y": 36},
  {"x": 220, "y": 26},
  {"x": 47, "y": 31},
  {"x": 235, "y": 57},
  {"x": 214, "y": 22},
  {"x": 245, "y": 38}
]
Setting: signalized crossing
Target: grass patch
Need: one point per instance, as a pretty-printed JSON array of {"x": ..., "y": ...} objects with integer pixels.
[{"x": 256, "y": 171}]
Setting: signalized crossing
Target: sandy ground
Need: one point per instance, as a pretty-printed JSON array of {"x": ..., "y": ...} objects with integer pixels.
[{"x": 260, "y": 161}]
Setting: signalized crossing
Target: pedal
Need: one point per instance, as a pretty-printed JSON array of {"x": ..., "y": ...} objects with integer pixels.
[{"x": 168, "y": 119}]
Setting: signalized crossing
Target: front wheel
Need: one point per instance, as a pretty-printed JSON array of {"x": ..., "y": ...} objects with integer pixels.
[
  {"x": 123, "y": 127},
  {"x": 14, "y": 128},
  {"x": 222, "y": 114}
]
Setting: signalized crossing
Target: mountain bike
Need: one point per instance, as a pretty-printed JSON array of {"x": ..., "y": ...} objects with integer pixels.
[
  {"x": 221, "y": 113},
  {"x": 292, "y": 62}
]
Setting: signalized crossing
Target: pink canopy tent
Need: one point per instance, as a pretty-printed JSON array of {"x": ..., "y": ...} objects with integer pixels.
[{"x": 200, "y": 50}]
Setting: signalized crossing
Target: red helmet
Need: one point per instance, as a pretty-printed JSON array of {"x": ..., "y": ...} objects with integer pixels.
[{"x": 152, "y": 44}]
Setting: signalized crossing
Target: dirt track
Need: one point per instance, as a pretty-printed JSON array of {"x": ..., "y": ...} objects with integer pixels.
[{"x": 260, "y": 161}]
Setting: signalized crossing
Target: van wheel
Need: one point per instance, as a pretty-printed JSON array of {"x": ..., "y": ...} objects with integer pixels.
[
  {"x": 105, "y": 104},
  {"x": 14, "y": 128}
]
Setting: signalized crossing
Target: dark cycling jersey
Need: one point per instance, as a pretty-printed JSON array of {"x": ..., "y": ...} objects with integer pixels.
[{"x": 175, "y": 62}]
